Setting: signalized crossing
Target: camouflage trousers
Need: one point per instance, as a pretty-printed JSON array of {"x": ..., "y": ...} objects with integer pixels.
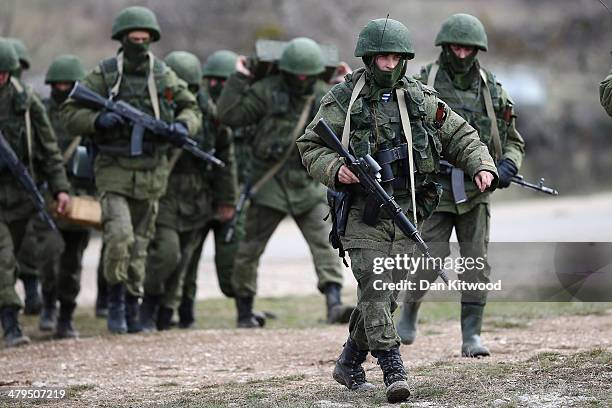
[
  {"x": 129, "y": 225},
  {"x": 472, "y": 229},
  {"x": 61, "y": 278},
  {"x": 40, "y": 246},
  {"x": 11, "y": 237},
  {"x": 225, "y": 255},
  {"x": 260, "y": 225}
]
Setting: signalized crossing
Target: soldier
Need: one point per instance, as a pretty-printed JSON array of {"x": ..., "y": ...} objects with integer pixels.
[
  {"x": 22, "y": 54},
  {"x": 130, "y": 186},
  {"x": 219, "y": 66},
  {"x": 26, "y": 128},
  {"x": 61, "y": 279},
  {"x": 197, "y": 193},
  {"x": 605, "y": 93},
  {"x": 467, "y": 88},
  {"x": 388, "y": 112},
  {"x": 280, "y": 105}
]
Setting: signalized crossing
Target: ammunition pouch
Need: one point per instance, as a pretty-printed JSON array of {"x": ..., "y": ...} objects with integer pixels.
[
  {"x": 81, "y": 164},
  {"x": 457, "y": 181},
  {"x": 340, "y": 205}
]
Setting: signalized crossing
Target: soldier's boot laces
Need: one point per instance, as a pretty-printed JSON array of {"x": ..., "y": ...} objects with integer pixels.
[
  {"x": 471, "y": 323},
  {"x": 336, "y": 311},
  {"x": 132, "y": 313},
  {"x": 13, "y": 336},
  {"x": 48, "y": 315},
  {"x": 65, "y": 326},
  {"x": 164, "y": 318},
  {"x": 407, "y": 325},
  {"x": 246, "y": 317},
  {"x": 394, "y": 374},
  {"x": 32, "y": 302},
  {"x": 148, "y": 312},
  {"x": 116, "y": 309},
  {"x": 186, "y": 314},
  {"x": 348, "y": 370}
]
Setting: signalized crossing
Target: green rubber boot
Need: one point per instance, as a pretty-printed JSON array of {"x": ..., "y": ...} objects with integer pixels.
[
  {"x": 407, "y": 325},
  {"x": 471, "y": 322}
]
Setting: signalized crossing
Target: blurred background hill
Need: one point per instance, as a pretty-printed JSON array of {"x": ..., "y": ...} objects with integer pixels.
[{"x": 550, "y": 55}]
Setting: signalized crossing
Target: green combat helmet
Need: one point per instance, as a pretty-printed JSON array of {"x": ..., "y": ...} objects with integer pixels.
[
  {"x": 302, "y": 56},
  {"x": 186, "y": 65},
  {"x": 22, "y": 52},
  {"x": 65, "y": 68},
  {"x": 463, "y": 29},
  {"x": 135, "y": 18},
  {"x": 9, "y": 61},
  {"x": 384, "y": 36},
  {"x": 220, "y": 64}
]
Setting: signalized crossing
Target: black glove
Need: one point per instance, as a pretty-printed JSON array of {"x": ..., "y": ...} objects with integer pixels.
[
  {"x": 108, "y": 120},
  {"x": 179, "y": 134},
  {"x": 506, "y": 170}
]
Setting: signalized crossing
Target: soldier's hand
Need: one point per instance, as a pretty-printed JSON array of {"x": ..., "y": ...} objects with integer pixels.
[
  {"x": 179, "y": 132},
  {"x": 345, "y": 176},
  {"x": 483, "y": 180},
  {"x": 225, "y": 212},
  {"x": 241, "y": 66},
  {"x": 506, "y": 170},
  {"x": 63, "y": 201},
  {"x": 108, "y": 120}
]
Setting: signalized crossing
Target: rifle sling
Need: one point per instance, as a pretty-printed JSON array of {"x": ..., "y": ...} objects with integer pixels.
[
  {"x": 297, "y": 131},
  {"x": 71, "y": 148},
  {"x": 405, "y": 119}
]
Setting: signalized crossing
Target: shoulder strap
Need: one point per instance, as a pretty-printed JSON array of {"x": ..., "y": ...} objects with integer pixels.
[
  {"x": 28, "y": 124},
  {"x": 151, "y": 86},
  {"x": 297, "y": 131},
  {"x": 405, "y": 119},
  {"x": 71, "y": 148},
  {"x": 346, "y": 132},
  {"x": 491, "y": 115},
  {"x": 433, "y": 72}
]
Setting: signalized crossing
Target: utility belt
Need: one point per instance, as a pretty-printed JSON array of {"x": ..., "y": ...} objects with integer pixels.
[{"x": 457, "y": 177}]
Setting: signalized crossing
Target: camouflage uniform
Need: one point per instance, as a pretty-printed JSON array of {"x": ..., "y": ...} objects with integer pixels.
[
  {"x": 376, "y": 127},
  {"x": 463, "y": 92},
  {"x": 195, "y": 189},
  {"x": 61, "y": 278},
  {"x": 275, "y": 105},
  {"x": 16, "y": 208},
  {"x": 605, "y": 93},
  {"x": 130, "y": 186}
]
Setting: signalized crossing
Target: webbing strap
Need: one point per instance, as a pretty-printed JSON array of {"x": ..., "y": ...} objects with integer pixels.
[
  {"x": 346, "y": 132},
  {"x": 28, "y": 125},
  {"x": 433, "y": 72},
  {"x": 492, "y": 117},
  {"x": 401, "y": 101},
  {"x": 151, "y": 86}
]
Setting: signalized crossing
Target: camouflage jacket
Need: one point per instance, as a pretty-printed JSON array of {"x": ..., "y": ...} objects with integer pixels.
[
  {"x": 372, "y": 126},
  {"x": 145, "y": 176},
  {"x": 45, "y": 156},
  {"x": 269, "y": 104},
  {"x": 470, "y": 105},
  {"x": 196, "y": 188},
  {"x": 605, "y": 93}
]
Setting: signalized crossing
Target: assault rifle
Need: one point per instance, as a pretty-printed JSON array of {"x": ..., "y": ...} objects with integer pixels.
[
  {"x": 518, "y": 179},
  {"x": 140, "y": 122},
  {"x": 9, "y": 159},
  {"x": 367, "y": 170}
]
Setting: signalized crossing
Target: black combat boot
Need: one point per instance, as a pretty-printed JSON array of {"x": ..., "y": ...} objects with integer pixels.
[
  {"x": 116, "y": 309},
  {"x": 148, "y": 312},
  {"x": 48, "y": 314},
  {"x": 33, "y": 303},
  {"x": 348, "y": 370},
  {"x": 13, "y": 336},
  {"x": 164, "y": 319},
  {"x": 65, "y": 326},
  {"x": 407, "y": 325},
  {"x": 246, "y": 318},
  {"x": 186, "y": 314},
  {"x": 471, "y": 323},
  {"x": 101, "y": 308},
  {"x": 132, "y": 313},
  {"x": 336, "y": 311},
  {"x": 394, "y": 374}
]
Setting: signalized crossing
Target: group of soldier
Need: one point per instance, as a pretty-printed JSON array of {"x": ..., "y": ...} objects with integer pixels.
[{"x": 453, "y": 122}]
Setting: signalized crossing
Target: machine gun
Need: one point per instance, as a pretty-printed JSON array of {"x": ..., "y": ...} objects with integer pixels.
[
  {"x": 140, "y": 122},
  {"x": 367, "y": 170},
  {"x": 9, "y": 159}
]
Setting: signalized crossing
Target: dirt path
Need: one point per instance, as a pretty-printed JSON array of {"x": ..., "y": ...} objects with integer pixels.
[{"x": 150, "y": 368}]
